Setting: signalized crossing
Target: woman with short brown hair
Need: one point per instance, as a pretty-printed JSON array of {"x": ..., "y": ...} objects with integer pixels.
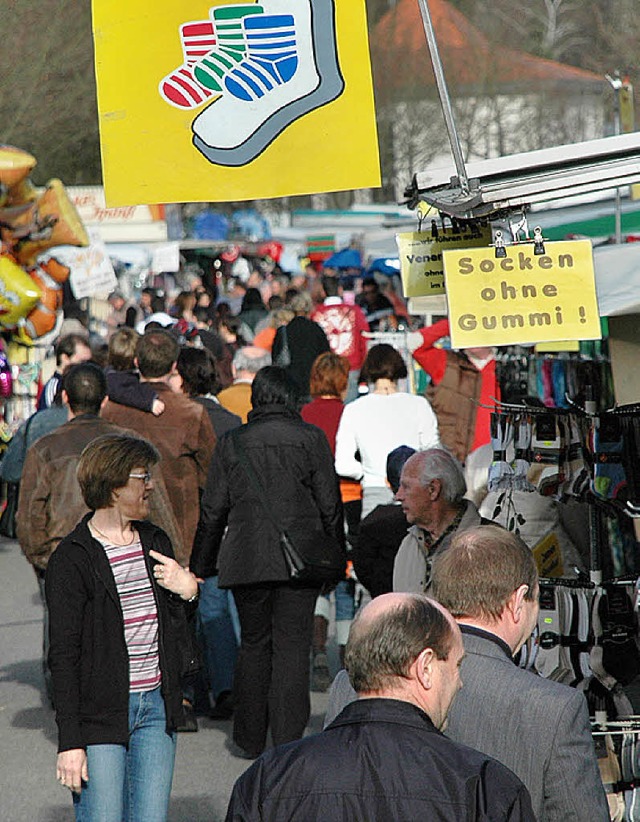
[{"x": 118, "y": 603}]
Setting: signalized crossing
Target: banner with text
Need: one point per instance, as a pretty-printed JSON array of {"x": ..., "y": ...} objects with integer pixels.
[
  {"x": 523, "y": 297},
  {"x": 421, "y": 257},
  {"x": 215, "y": 101}
]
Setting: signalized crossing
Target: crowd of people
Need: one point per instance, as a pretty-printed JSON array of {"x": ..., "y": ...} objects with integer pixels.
[{"x": 167, "y": 477}]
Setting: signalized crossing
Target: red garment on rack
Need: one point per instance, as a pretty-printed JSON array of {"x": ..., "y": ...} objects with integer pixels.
[{"x": 435, "y": 362}]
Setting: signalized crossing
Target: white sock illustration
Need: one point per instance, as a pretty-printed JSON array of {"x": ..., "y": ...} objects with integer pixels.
[
  {"x": 265, "y": 95},
  {"x": 271, "y": 57},
  {"x": 179, "y": 88},
  {"x": 230, "y": 44}
]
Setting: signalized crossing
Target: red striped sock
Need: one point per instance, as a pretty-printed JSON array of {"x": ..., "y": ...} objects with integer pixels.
[{"x": 180, "y": 88}]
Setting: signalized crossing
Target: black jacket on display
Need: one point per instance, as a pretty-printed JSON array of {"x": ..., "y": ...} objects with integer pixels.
[
  {"x": 88, "y": 656},
  {"x": 380, "y": 760},
  {"x": 294, "y": 464}
]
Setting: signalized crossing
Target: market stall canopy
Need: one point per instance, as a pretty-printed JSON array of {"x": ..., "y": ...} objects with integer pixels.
[
  {"x": 347, "y": 258},
  {"x": 385, "y": 265},
  {"x": 518, "y": 180},
  {"x": 617, "y": 270}
]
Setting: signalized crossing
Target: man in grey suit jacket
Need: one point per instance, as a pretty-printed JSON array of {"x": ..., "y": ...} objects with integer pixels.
[{"x": 539, "y": 729}]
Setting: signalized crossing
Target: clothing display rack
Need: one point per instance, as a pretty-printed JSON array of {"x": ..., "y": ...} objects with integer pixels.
[
  {"x": 588, "y": 626},
  {"x": 556, "y": 379}
]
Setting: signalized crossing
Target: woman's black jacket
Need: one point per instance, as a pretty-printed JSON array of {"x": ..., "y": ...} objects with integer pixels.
[
  {"x": 88, "y": 656},
  {"x": 292, "y": 459}
]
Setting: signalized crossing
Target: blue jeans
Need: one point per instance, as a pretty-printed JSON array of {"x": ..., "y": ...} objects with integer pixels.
[
  {"x": 219, "y": 633},
  {"x": 345, "y": 605},
  {"x": 131, "y": 784}
]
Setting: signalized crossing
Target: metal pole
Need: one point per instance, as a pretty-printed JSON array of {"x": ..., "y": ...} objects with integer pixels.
[
  {"x": 616, "y": 84},
  {"x": 618, "y": 221},
  {"x": 595, "y": 561},
  {"x": 445, "y": 100}
]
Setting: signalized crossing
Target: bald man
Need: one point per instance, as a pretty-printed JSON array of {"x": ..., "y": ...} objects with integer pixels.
[
  {"x": 384, "y": 757},
  {"x": 539, "y": 729}
]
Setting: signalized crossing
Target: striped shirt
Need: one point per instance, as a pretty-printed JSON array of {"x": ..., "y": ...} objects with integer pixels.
[{"x": 139, "y": 611}]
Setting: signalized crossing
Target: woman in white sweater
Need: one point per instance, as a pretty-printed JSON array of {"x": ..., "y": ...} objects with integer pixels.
[{"x": 375, "y": 424}]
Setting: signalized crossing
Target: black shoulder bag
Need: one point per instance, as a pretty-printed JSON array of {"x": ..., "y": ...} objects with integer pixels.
[
  {"x": 318, "y": 559},
  {"x": 283, "y": 357}
]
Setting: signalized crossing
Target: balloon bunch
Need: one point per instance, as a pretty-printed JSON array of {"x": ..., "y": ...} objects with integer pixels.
[{"x": 31, "y": 223}]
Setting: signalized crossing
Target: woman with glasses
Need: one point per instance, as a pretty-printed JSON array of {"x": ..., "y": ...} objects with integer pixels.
[{"x": 118, "y": 604}]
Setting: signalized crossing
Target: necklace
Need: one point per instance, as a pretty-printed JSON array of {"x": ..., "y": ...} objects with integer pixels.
[{"x": 121, "y": 544}]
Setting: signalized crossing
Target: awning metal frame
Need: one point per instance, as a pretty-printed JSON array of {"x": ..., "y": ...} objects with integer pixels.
[{"x": 492, "y": 187}]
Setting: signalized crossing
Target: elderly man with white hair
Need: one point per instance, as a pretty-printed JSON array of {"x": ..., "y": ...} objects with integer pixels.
[{"x": 431, "y": 493}]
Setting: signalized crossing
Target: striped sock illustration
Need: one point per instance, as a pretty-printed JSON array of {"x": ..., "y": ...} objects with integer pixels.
[
  {"x": 295, "y": 71},
  {"x": 230, "y": 45},
  {"x": 271, "y": 58},
  {"x": 179, "y": 88}
]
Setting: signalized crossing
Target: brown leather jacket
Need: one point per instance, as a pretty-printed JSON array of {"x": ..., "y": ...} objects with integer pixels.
[
  {"x": 51, "y": 504},
  {"x": 185, "y": 438},
  {"x": 455, "y": 401}
]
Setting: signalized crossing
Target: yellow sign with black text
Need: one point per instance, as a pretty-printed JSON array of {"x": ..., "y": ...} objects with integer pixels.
[
  {"x": 523, "y": 297},
  {"x": 207, "y": 100},
  {"x": 548, "y": 556},
  {"x": 421, "y": 257}
]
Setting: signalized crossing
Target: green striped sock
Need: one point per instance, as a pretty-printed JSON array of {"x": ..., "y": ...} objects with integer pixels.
[{"x": 230, "y": 45}]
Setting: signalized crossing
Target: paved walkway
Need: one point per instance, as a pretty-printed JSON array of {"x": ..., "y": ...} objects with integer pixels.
[{"x": 205, "y": 771}]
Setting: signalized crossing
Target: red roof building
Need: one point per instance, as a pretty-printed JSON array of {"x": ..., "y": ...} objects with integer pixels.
[{"x": 472, "y": 64}]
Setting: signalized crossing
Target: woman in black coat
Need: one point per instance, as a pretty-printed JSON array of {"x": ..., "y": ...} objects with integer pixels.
[
  {"x": 118, "y": 606},
  {"x": 237, "y": 539}
]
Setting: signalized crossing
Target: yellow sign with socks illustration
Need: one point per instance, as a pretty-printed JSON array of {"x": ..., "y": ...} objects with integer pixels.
[
  {"x": 218, "y": 101},
  {"x": 524, "y": 297}
]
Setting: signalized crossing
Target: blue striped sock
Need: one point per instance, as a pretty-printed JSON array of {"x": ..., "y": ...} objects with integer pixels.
[{"x": 271, "y": 59}]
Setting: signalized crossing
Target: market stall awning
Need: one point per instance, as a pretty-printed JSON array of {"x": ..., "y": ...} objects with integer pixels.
[
  {"x": 347, "y": 258},
  {"x": 617, "y": 270}
]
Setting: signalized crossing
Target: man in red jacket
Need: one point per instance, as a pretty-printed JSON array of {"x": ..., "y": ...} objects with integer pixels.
[
  {"x": 463, "y": 392},
  {"x": 344, "y": 326}
]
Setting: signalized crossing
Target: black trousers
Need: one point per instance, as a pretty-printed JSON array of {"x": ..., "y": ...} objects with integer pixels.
[{"x": 271, "y": 684}]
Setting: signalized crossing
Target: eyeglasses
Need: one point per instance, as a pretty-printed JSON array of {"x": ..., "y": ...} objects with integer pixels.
[{"x": 146, "y": 477}]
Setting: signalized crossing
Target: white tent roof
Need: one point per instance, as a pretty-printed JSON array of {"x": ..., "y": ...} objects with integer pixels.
[{"x": 618, "y": 279}]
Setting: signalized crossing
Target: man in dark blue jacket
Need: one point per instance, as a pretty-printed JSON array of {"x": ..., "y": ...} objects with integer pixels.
[{"x": 385, "y": 757}]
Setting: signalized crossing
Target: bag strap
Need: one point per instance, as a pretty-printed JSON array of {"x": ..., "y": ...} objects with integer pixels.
[
  {"x": 253, "y": 478},
  {"x": 25, "y": 445}
]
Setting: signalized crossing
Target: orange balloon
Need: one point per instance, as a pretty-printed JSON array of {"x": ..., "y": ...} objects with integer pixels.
[
  {"x": 56, "y": 269},
  {"x": 42, "y": 318},
  {"x": 15, "y": 165},
  {"x": 52, "y": 220}
]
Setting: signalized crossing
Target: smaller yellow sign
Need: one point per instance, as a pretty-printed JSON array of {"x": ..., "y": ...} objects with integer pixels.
[
  {"x": 524, "y": 297},
  {"x": 421, "y": 257},
  {"x": 558, "y": 345},
  {"x": 627, "y": 114},
  {"x": 548, "y": 556}
]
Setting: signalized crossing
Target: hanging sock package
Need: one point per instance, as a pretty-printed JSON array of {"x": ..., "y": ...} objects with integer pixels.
[{"x": 608, "y": 471}]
